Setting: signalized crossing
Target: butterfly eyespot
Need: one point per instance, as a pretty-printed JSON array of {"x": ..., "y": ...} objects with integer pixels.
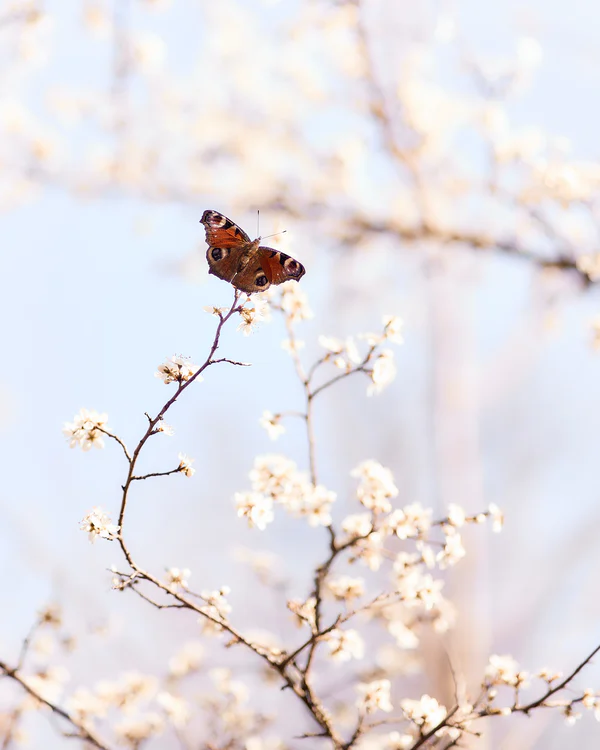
[
  {"x": 292, "y": 267},
  {"x": 261, "y": 280},
  {"x": 218, "y": 253}
]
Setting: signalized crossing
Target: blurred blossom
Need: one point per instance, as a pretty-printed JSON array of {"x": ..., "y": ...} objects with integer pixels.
[
  {"x": 188, "y": 659},
  {"x": 48, "y": 683},
  {"x": 411, "y": 521},
  {"x": 376, "y": 486},
  {"x": 178, "y": 578},
  {"x": 425, "y": 712},
  {"x": 133, "y": 731},
  {"x": 304, "y": 611},
  {"x": 374, "y": 696},
  {"x": 292, "y": 346},
  {"x": 497, "y": 517},
  {"x": 383, "y": 372},
  {"x": 504, "y": 670},
  {"x": 86, "y": 705},
  {"x": 294, "y": 302},
  {"x": 346, "y": 588},
  {"x": 345, "y": 645},
  {"x": 257, "y": 508},
  {"x": 272, "y": 424},
  {"x": 177, "y": 709},
  {"x": 149, "y": 50}
]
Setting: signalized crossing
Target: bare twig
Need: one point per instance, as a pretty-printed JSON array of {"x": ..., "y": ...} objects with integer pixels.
[{"x": 82, "y": 733}]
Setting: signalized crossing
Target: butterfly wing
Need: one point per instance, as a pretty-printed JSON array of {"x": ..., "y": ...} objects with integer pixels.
[
  {"x": 265, "y": 267},
  {"x": 221, "y": 231},
  {"x": 279, "y": 267},
  {"x": 226, "y": 244}
]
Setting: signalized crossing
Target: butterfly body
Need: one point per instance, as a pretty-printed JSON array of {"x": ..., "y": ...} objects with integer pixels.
[{"x": 234, "y": 257}]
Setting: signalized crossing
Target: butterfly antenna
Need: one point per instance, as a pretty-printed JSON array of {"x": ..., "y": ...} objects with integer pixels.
[
  {"x": 258, "y": 222},
  {"x": 283, "y": 231}
]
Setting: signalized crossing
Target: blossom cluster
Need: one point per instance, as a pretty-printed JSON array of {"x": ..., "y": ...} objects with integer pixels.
[
  {"x": 86, "y": 430},
  {"x": 277, "y": 480}
]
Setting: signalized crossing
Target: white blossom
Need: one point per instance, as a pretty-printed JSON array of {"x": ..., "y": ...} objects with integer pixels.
[
  {"x": 272, "y": 424},
  {"x": 425, "y": 712},
  {"x": 178, "y": 577},
  {"x": 185, "y": 465},
  {"x": 187, "y": 659},
  {"x": 382, "y": 372},
  {"x": 376, "y": 486},
  {"x": 256, "y": 507},
  {"x": 345, "y": 644},
  {"x": 176, "y": 369},
  {"x": 294, "y": 302},
  {"x": 85, "y": 429},
  {"x": 346, "y": 588},
  {"x": 98, "y": 523},
  {"x": 176, "y": 708},
  {"x": 374, "y": 696}
]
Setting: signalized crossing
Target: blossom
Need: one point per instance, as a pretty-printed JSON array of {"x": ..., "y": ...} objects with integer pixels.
[
  {"x": 292, "y": 346},
  {"x": 134, "y": 730},
  {"x": 86, "y": 429},
  {"x": 392, "y": 329},
  {"x": 346, "y": 588},
  {"x": 185, "y": 465},
  {"x": 162, "y": 426},
  {"x": 98, "y": 523},
  {"x": 345, "y": 644},
  {"x": 48, "y": 683},
  {"x": 317, "y": 505},
  {"x": 294, "y": 302},
  {"x": 456, "y": 515},
  {"x": 85, "y": 705},
  {"x": 405, "y": 638},
  {"x": 382, "y": 372},
  {"x": 374, "y": 695},
  {"x": 176, "y": 708},
  {"x": 249, "y": 320},
  {"x": 272, "y": 424},
  {"x": 376, "y": 486},
  {"x": 414, "y": 587},
  {"x": 187, "y": 659},
  {"x": 177, "y": 577},
  {"x": 347, "y": 351},
  {"x": 256, "y": 507},
  {"x": 278, "y": 478},
  {"x": 218, "y": 311},
  {"x": 425, "y": 712},
  {"x": 497, "y": 517},
  {"x": 505, "y": 670},
  {"x": 176, "y": 369},
  {"x": 359, "y": 524},
  {"x": 304, "y": 611},
  {"x": 411, "y": 521},
  {"x": 453, "y": 549},
  {"x": 218, "y": 606}
]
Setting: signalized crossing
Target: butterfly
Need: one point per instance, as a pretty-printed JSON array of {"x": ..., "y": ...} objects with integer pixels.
[{"x": 234, "y": 257}]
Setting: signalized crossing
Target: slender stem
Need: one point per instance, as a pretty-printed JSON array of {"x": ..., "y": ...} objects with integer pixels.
[{"x": 83, "y": 733}]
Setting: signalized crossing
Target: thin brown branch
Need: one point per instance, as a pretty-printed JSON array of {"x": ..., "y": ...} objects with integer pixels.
[
  {"x": 559, "y": 686},
  {"x": 83, "y": 733},
  {"x": 116, "y": 438},
  {"x": 157, "y": 474}
]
